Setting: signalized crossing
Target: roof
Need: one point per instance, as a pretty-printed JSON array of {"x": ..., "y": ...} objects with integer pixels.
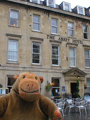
[{"x": 39, "y": 6}]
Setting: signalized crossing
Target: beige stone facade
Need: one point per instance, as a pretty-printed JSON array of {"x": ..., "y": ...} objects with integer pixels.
[{"x": 26, "y": 36}]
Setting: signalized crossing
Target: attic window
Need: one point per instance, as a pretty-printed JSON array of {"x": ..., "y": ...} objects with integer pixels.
[
  {"x": 67, "y": 6},
  {"x": 81, "y": 10}
]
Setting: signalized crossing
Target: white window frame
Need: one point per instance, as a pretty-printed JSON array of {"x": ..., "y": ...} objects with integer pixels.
[
  {"x": 85, "y": 32},
  {"x": 38, "y": 1},
  {"x": 16, "y": 51},
  {"x": 78, "y": 10},
  {"x": 55, "y": 55},
  {"x": 12, "y": 10},
  {"x": 36, "y": 22},
  {"x": 87, "y": 59},
  {"x": 54, "y": 86},
  {"x": 69, "y": 5},
  {"x": 37, "y": 53},
  {"x": 71, "y": 29},
  {"x": 54, "y": 26},
  {"x": 53, "y": 5},
  {"x": 88, "y": 86},
  {"x": 72, "y": 57}
]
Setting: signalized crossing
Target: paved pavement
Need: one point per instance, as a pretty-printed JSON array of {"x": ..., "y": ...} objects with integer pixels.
[{"x": 76, "y": 115}]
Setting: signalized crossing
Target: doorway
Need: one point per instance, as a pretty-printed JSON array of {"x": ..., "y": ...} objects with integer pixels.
[{"x": 73, "y": 89}]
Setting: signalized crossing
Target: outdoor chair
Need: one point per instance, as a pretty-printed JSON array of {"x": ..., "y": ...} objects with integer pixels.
[
  {"x": 81, "y": 105},
  {"x": 87, "y": 98},
  {"x": 70, "y": 104}
]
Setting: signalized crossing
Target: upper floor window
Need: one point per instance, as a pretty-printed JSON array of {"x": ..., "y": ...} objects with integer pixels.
[
  {"x": 36, "y": 53},
  {"x": 55, "y": 55},
  {"x": 80, "y": 10},
  {"x": 54, "y": 24},
  {"x": 12, "y": 50},
  {"x": 36, "y": 22},
  {"x": 71, "y": 29},
  {"x": 87, "y": 58},
  {"x": 51, "y": 3},
  {"x": 72, "y": 57},
  {"x": 14, "y": 17},
  {"x": 35, "y": 1},
  {"x": 85, "y": 32}
]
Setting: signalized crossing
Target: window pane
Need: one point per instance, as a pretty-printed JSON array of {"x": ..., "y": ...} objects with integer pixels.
[
  {"x": 55, "y": 55},
  {"x": 54, "y": 26},
  {"x": 35, "y": 58},
  {"x": 80, "y": 10},
  {"x": 54, "y": 30},
  {"x": 71, "y": 33},
  {"x": 72, "y": 57},
  {"x": 85, "y": 35},
  {"x": 85, "y": 29},
  {"x": 85, "y": 32},
  {"x": 36, "y": 22},
  {"x": 54, "y": 22},
  {"x": 12, "y": 50},
  {"x": 36, "y": 48},
  {"x": 86, "y": 54},
  {"x": 87, "y": 62},
  {"x": 14, "y": 17},
  {"x": 56, "y": 88},
  {"x": 35, "y": 1},
  {"x": 14, "y": 14},
  {"x": 3, "y": 91},
  {"x": 36, "y": 53},
  {"x": 13, "y": 45},
  {"x": 87, "y": 58},
  {"x": 88, "y": 85},
  {"x": 10, "y": 82},
  {"x": 72, "y": 62},
  {"x": 36, "y": 26},
  {"x": 13, "y": 22},
  {"x": 66, "y": 7},
  {"x": 36, "y": 18},
  {"x": 72, "y": 52},
  {"x": 70, "y": 29},
  {"x": 55, "y": 62},
  {"x": 70, "y": 26}
]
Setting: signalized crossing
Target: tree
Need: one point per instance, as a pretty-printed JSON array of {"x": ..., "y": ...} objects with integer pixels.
[{"x": 77, "y": 89}]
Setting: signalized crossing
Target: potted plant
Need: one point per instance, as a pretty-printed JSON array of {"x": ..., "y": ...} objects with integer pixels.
[
  {"x": 48, "y": 87},
  {"x": 1, "y": 86}
]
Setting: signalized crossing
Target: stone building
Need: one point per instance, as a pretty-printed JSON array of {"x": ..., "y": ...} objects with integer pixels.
[{"x": 50, "y": 40}]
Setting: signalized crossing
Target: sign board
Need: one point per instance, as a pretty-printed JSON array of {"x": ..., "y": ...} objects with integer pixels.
[{"x": 63, "y": 88}]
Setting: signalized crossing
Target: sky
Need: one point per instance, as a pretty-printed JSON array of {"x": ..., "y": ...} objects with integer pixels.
[{"x": 83, "y": 3}]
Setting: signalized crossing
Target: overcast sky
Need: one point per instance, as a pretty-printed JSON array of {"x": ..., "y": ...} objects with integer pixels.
[{"x": 83, "y": 3}]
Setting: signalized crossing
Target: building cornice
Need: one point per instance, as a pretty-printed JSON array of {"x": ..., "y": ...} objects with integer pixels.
[{"x": 59, "y": 11}]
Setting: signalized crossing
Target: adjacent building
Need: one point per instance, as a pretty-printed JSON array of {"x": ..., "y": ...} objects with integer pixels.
[{"x": 50, "y": 40}]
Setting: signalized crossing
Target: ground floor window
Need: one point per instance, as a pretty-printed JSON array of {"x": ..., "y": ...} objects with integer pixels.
[
  {"x": 10, "y": 82},
  {"x": 88, "y": 85},
  {"x": 56, "y": 87}
]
